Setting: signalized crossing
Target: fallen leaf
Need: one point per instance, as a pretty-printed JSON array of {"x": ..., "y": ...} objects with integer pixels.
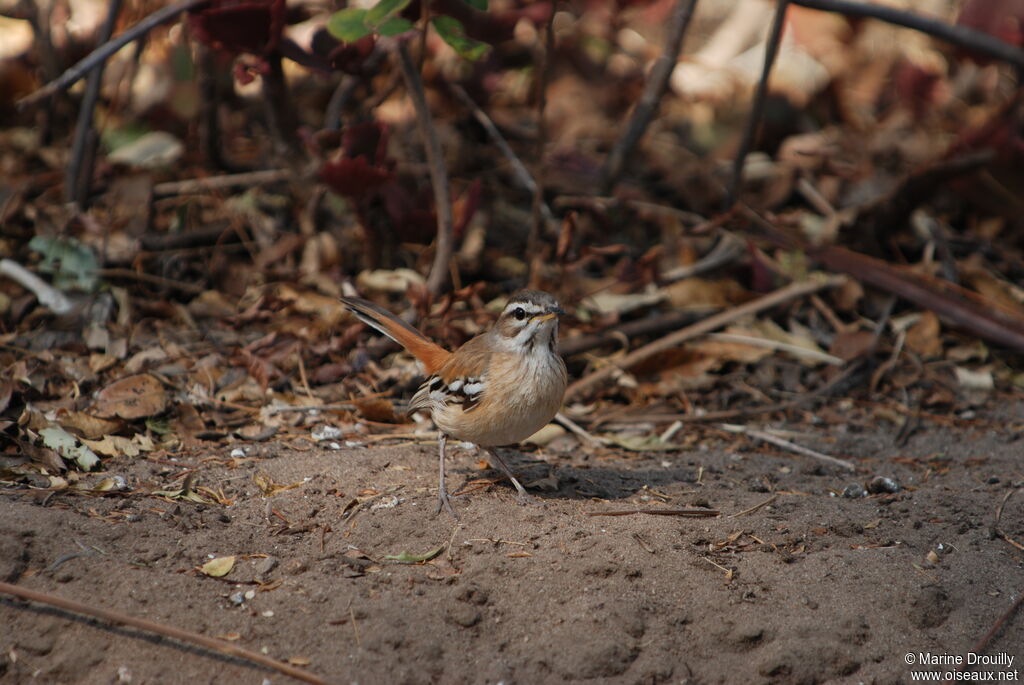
[
  {"x": 87, "y": 425},
  {"x": 639, "y": 443},
  {"x": 134, "y": 397},
  {"x": 114, "y": 446},
  {"x": 219, "y": 567},
  {"x": 406, "y": 558},
  {"x": 923, "y": 337},
  {"x": 268, "y": 487},
  {"x": 67, "y": 446}
]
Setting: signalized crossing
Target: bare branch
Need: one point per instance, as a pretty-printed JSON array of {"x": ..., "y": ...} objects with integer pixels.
[
  {"x": 962, "y": 36},
  {"x": 771, "y": 49},
  {"x": 439, "y": 271},
  {"x": 103, "y": 52},
  {"x": 657, "y": 83}
]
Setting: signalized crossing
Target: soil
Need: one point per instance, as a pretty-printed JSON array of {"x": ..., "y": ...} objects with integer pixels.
[{"x": 809, "y": 587}]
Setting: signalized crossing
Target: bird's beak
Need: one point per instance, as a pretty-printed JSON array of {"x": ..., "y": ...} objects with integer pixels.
[{"x": 546, "y": 317}]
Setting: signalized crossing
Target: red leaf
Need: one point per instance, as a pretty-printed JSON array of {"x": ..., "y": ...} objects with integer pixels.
[
  {"x": 236, "y": 26},
  {"x": 354, "y": 177},
  {"x": 349, "y": 57}
]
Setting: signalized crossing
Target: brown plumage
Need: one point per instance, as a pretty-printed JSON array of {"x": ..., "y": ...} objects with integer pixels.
[{"x": 498, "y": 388}]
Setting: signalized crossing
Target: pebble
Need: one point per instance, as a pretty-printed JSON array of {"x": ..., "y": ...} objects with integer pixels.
[
  {"x": 854, "y": 490},
  {"x": 881, "y": 484}
]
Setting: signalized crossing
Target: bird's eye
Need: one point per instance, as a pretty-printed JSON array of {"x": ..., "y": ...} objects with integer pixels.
[{"x": 519, "y": 313}]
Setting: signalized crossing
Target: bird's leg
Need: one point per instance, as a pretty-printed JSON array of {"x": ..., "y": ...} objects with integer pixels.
[
  {"x": 523, "y": 497},
  {"x": 442, "y": 489}
]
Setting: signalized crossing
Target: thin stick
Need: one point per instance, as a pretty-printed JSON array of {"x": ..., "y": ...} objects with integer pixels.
[
  {"x": 754, "y": 508},
  {"x": 981, "y": 644},
  {"x": 78, "y": 179},
  {"x": 786, "y": 444},
  {"x": 438, "y": 171},
  {"x": 48, "y": 296},
  {"x": 160, "y": 629},
  {"x": 690, "y": 513},
  {"x": 771, "y": 49},
  {"x": 962, "y": 36},
  {"x": 746, "y": 412},
  {"x": 543, "y": 73},
  {"x": 519, "y": 170},
  {"x": 654, "y": 89},
  {"x": 712, "y": 323},
  {"x": 189, "y": 288},
  {"x": 203, "y": 185},
  {"x": 577, "y": 429},
  {"x": 999, "y": 515},
  {"x": 103, "y": 52}
]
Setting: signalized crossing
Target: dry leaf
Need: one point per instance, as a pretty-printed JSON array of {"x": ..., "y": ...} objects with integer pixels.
[
  {"x": 114, "y": 446},
  {"x": 923, "y": 337},
  {"x": 219, "y": 567},
  {"x": 87, "y": 425},
  {"x": 134, "y": 397}
]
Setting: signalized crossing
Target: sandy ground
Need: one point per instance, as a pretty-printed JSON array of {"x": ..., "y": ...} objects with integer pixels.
[{"x": 809, "y": 587}]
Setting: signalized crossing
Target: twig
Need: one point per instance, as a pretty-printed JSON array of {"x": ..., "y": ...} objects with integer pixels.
[
  {"x": 778, "y": 346},
  {"x": 654, "y": 89},
  {"x": 189, "y": 288},
  {"x": 728, "y": 248},
  {"x": 690, "y": 513},
  {"x": 543, "y": 74},
  {"x": 438, "y": 171},
  {"x": 790, "y": 292},
  {"x": 78, "y": 179},
  {"x": 669, "y": 321},
  {"x": 754, "y": 508},
  {"x": 323, "y": 407},
  {"x": 103, "y": 52},
  {"x": 577, "y": 429},
  {"x": 160, "y": 629},
  {"x": 47, "y": 295},
  {"x": 519, "y": 170},
  {"x": 962, "y": 36},
  {"x": 786, "y": 444},
  {"x": 771, "y": 49},
  {"x": 981, "y": 644},
  {"x": 203, "y": 185},
  {"x": 999, "y": 515},
  {"x": 746, "y": 412}
]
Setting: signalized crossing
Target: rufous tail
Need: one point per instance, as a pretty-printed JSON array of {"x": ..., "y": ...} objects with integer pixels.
[{"x": 432, "y": 356}]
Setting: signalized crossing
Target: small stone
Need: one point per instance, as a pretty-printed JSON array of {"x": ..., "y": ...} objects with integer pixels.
[
  {"x": 262, "y": 567},
  {"x": 881, "y": 484},
  {"x": 854, "y": 491},
  {"x": 464, "y": 615}
]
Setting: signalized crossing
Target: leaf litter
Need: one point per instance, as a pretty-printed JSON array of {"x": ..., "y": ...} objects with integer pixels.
[{"x": 184, "y": 322}]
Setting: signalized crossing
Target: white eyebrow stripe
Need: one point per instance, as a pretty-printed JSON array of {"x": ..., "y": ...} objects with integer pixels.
[{"x": 528, "y": 307}]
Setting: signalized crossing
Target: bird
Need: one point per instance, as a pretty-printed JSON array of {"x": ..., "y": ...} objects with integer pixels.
[{"x": 498, "y": 388}]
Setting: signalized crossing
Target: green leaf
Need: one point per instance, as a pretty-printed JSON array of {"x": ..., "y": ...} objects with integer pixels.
[
  {"x": 454, "y": 33},
  {"x": 394, "y": 26},
  {"x": 477, "y": 4},
  {"x": 348, "y": 25},
  {"x": 384, "y": 10},
  {"x": 406, "y": 558},
  {"x": 71, "y": 263}
]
